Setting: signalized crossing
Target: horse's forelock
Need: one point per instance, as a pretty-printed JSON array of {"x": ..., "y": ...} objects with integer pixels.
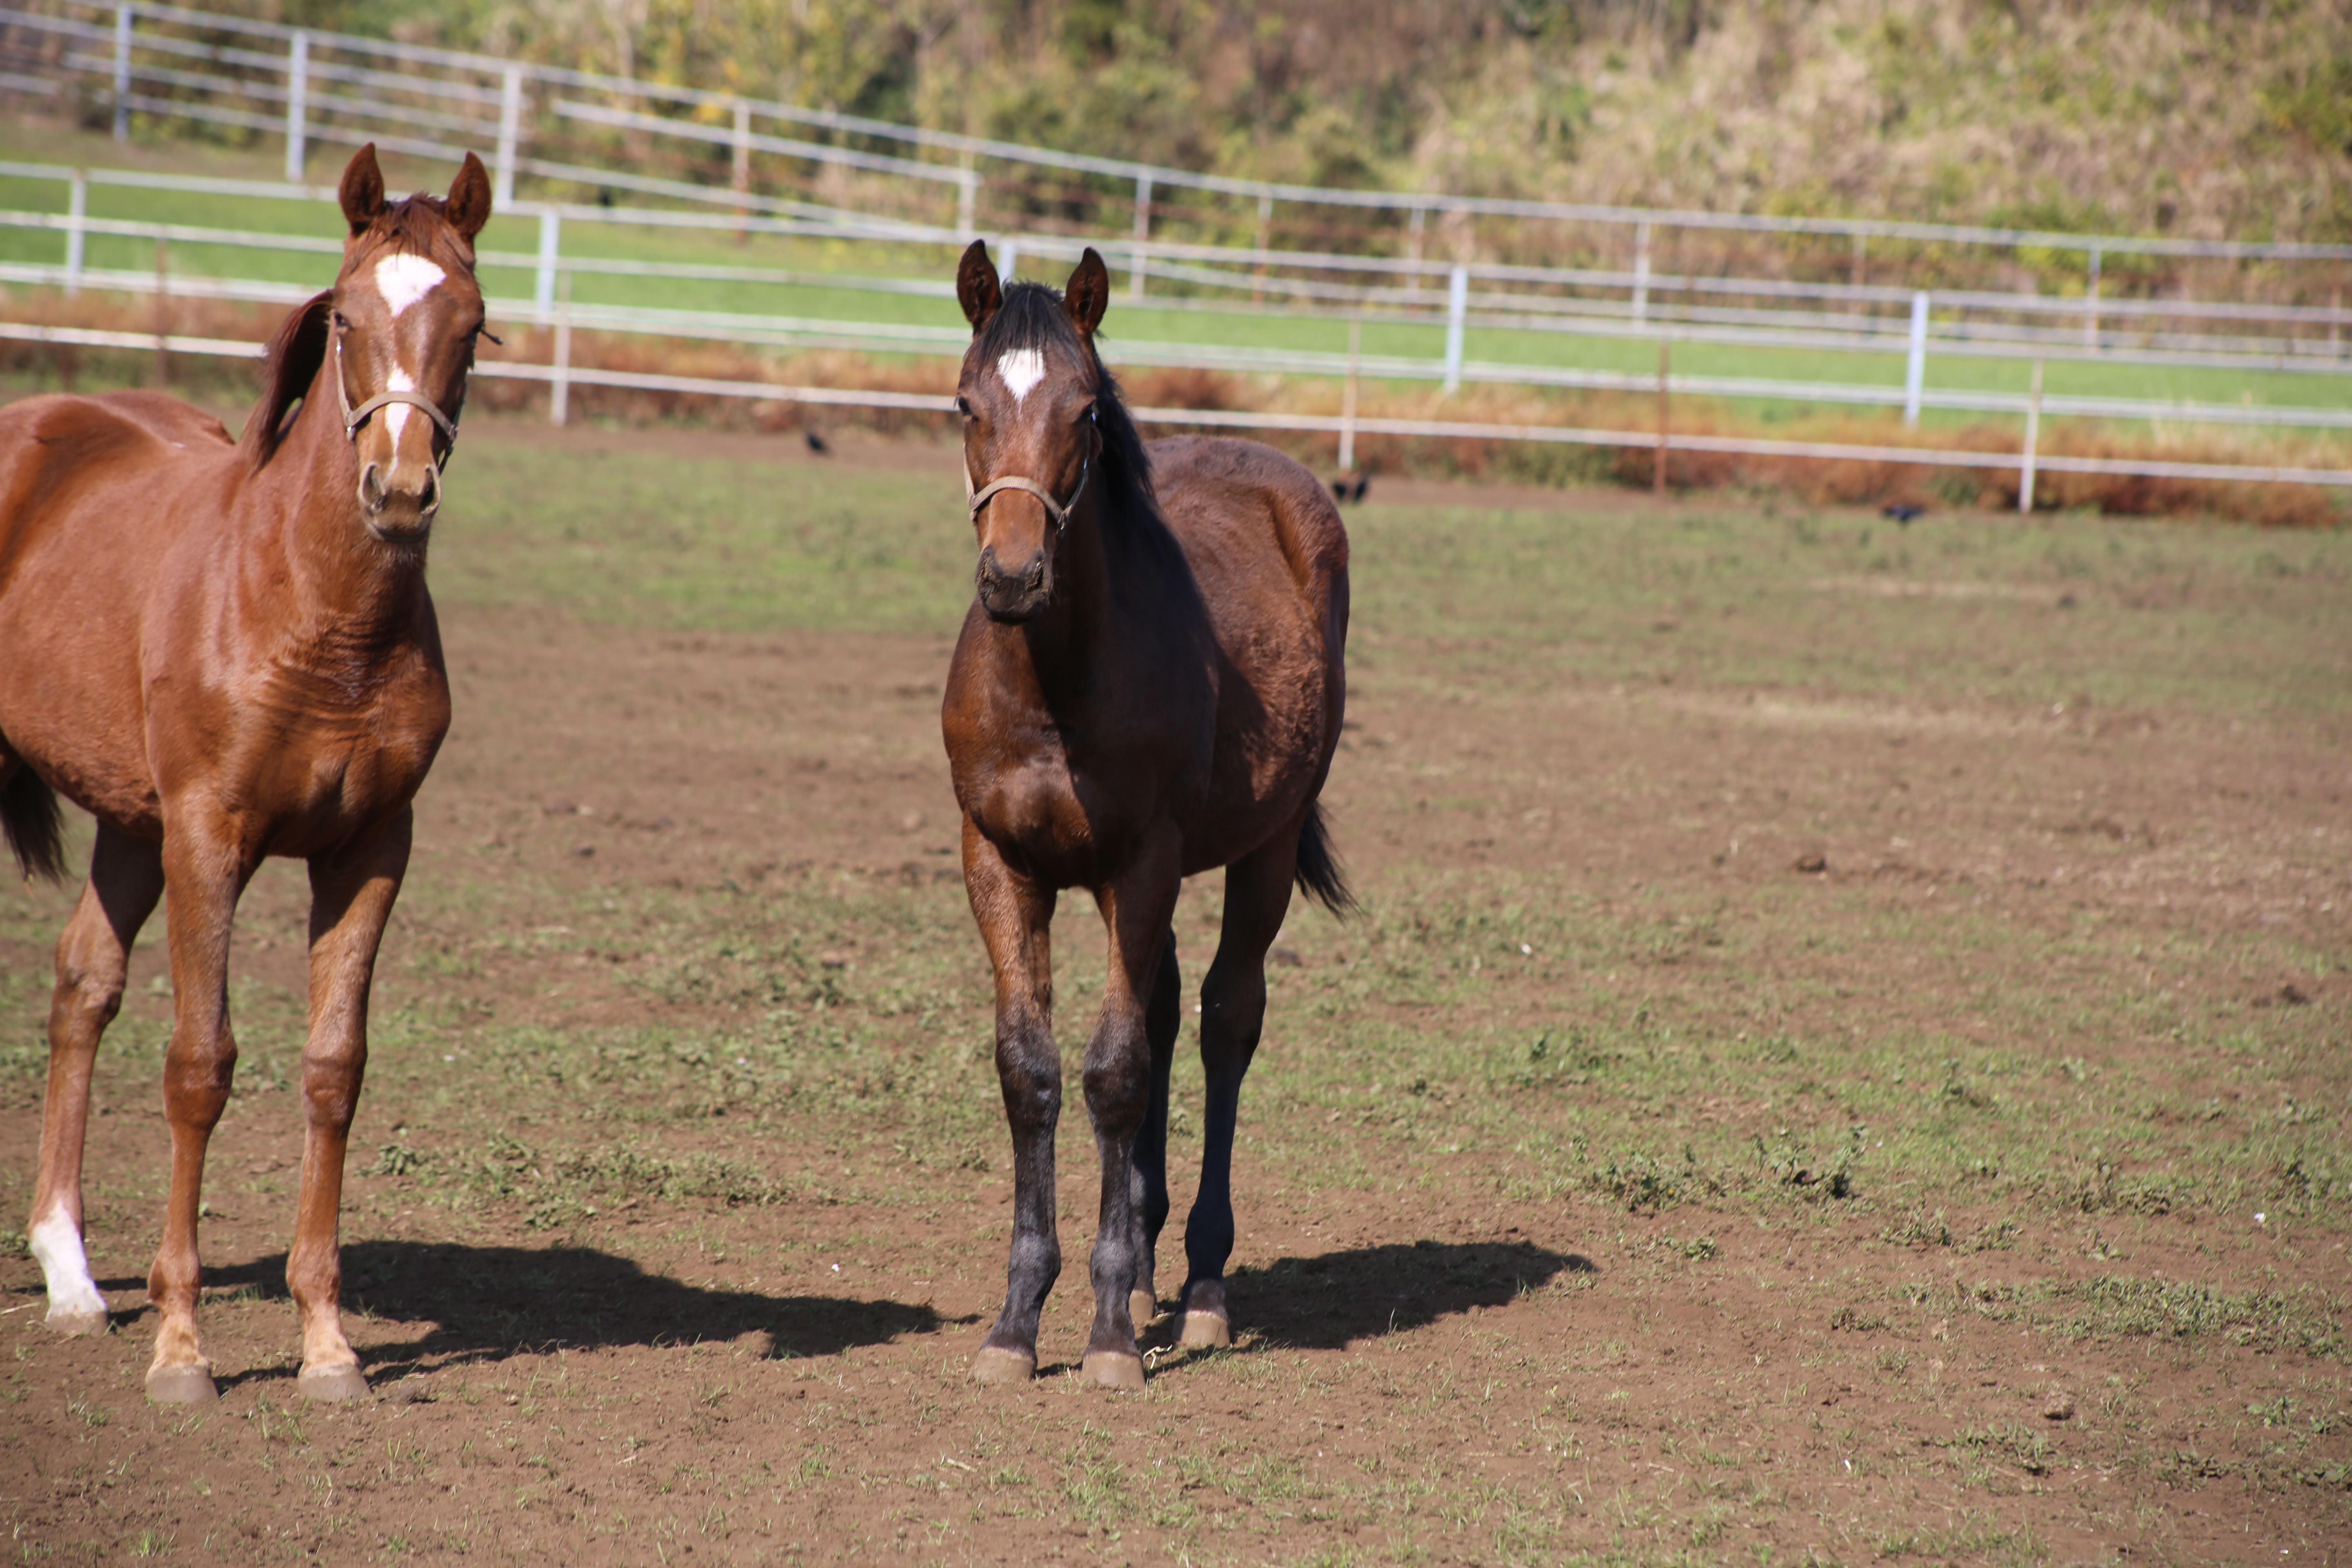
[{"x": 413, "y": 226}]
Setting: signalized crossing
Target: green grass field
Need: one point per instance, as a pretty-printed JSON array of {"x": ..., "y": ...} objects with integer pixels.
[{"x": 1239, "y": 326}]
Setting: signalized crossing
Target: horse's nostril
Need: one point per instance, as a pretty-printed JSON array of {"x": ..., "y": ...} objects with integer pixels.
[
  {"x": 429, "y": 500},
  {"x": 372, "y": 488}
]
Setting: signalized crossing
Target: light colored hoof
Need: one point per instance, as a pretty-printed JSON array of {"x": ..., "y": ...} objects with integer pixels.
[
  {"x": 1141, "y": 1308},
  {"x": 1111, "y": 1369},
  {"x": 1206, "y": 1330},
  {"x": 77, "y": 1323},
  {"x": 180, "y": 1385},
  {"x": 997, "y": 1365},
  {"x": 331, "y": 1383}
]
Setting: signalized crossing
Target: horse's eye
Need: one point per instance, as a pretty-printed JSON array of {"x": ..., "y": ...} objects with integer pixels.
[
  {"x": 963, "y": 407},
  {"x": 1089, "y": 415},
  {"x": 342, "y": 323}
]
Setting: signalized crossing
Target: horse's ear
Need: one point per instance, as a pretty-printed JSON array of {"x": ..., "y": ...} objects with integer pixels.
[
  {"x": 469, "y": 199},
  {"x": 362, "y": 191},
  {"x": 978, "y": 289},
  {"x": 1087, "y": 294}
]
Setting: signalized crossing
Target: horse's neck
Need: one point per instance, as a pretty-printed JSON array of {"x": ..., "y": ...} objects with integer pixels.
[
  {"x": 1067, "y": 645},
  {"x": 304, "y": 507}
]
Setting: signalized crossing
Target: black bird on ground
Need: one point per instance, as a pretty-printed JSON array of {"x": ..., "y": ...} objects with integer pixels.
[
  {"x": 815, "y": 442},
  {"x": 1903, "y": 513}
]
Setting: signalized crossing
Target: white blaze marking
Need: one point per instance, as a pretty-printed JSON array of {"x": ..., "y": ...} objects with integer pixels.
[
  {"x": 395, "y": 415},
  {"x": 405, "y": 279},
  {"x": 1020, "y": 370},
  {"x": 56, "y": 1248}
]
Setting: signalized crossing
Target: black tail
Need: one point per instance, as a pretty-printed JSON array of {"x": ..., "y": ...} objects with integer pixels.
[
  {"x": 1319, "y": 877},
  {"x": 28, "y": 815}
]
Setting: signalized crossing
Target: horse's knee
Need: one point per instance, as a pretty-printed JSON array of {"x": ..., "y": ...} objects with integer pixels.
[
  {"x": 199, "y": 1070},
  {"x": 331, "y": 1086},
  {"x": 89, "y": 991}
]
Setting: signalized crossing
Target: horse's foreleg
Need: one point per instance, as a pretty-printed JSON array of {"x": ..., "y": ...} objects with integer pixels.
[
  {"x": 1149, "y": 1187},
  {"x": 1233, "y": 1014},
  {"x": 204, "y": 870},
  {"x": 1136, "y": 906},
  {"x": 1015, "y": 915},
  {"x": 351, "y": 893},
  {"x": 126, "y": 877}
]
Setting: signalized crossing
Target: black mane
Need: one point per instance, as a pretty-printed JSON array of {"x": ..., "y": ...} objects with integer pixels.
[{"x": 1032, "y": 317}]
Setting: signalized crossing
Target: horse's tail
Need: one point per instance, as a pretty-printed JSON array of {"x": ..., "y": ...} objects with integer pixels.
[
  {"x": 1319, "y": 877},
  {"x": 29, "y": 819}
]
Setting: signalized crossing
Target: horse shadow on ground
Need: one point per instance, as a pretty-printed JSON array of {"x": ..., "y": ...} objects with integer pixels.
[
  {"x": 1326, "y": 1301},
  {"x": 486, "y": 1303}
]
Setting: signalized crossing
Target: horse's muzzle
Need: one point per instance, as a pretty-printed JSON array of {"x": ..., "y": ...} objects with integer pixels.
[
  {"x": 1015, "y": 597},
  {"x": 395, "y": 514}
]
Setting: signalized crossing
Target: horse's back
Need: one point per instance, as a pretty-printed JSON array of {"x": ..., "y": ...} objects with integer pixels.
[
  {"x": 59, "y": 452},
  {"x": 1228, "y": 500}
]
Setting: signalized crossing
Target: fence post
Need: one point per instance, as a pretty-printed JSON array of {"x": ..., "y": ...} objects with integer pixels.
[
  {"x": 2091, "y": 321},
  {"x": 1658, "y": 466},
  {"x": 1457, "y": 304},
  {"x": 1641, "y": 271},
  {"x": 1915, "y": 375},
  {"x": 1012, "y": 257},
  {"x": 550, "y": 237},
  {"x": 298, "y": 104},
  {"x": 122, "y": 71},
  {"x": 1142, "y": 235},
  {"x": 2033, "y": 434},
  {"x": 162, "y": 312},
  {"x": 742, "y": 172},
  {"x": 1347, "y": 396},
  {"x": 1265, "y": 241},
  {"x": 510, "y": 136},
  {"x": 968, "y": 198},
  {"x": 76, "y": 209},
  {"x": 1412, "y": 233},
  {"x": 558, "y": 388}
]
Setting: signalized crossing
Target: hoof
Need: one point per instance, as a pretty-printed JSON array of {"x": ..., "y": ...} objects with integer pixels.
[
  {"x": 77, "y": 1323},
  {"x": 180, "y": 1385},
  {"x": 1141, "y": 1308},
  {"x": 331, "y": 1383},
  {"x": 1205, "y": 1330},
  {"x": 1112, "y": 1369},
  {"x": 997, "y": 1365}
]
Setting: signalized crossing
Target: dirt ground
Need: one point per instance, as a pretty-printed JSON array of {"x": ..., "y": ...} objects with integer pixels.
[{"x": 1433, "y": 1367}]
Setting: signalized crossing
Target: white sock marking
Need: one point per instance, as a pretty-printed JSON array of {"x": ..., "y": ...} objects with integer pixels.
[
  {"x": 1020, "y": 369},
  {"x": 404, "y": 279},
  {"x": 56, "y": 1245}
]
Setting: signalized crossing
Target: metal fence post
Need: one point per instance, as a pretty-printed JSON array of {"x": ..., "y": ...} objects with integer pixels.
[
  {"x": 1414, "y": 226},
  {"x": 122, "y": 72},
  {"x": 2091, "y": 321},
  {"x": 1012, "y": 257},
  {"x": 510, "y": 135},
  {"x": 550, "y": 237},
  {"x": 968, "y": 198},
  {"x": 558, "y": 388},
  {"x": 1457, "y": 304},
  {"x": 298, "y": 103},
  {"x": 1264, "y": 240},
  {"x": 2033, "y": 434},
  {"x": 1641, "y": 271},
  {"x": 1658, "y": 464},
  {"x": 1347, "y": 396},
  {"x": 742, "y": 170},
  {"x": 1142, "y": 235},
  {"x": 76, "y": 209},
  {"x": 1915, "y": 375}
]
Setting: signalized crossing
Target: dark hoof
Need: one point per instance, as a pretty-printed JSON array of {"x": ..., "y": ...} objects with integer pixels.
[
  {"x": 998, "y": 1365},
  {"x": 180, "y": 1385},
  {"x": 1142, "y": 1307},
  {"x": 1112, "y": 1369},
  {"x": 77, "y": 1322},
  {"x": 331, "y": 1383},
  {"x": 1205, "y": 1330}
]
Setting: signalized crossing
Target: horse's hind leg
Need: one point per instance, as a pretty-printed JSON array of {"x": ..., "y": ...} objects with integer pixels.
[
  {"x": 1233, "y": 1014},
  {"x": 1149, "y": 1193},
  {"x": 351, "y": 893},
  {"x": 126, "y": 877}
]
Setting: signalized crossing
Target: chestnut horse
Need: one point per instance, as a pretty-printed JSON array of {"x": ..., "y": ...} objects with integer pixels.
[
  {"x": 225, "y": 651},
  {"x": 1148, "y": 684}
]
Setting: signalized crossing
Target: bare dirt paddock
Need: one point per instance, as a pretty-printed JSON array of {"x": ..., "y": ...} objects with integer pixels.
[{"x": 1844, "y": 1058}]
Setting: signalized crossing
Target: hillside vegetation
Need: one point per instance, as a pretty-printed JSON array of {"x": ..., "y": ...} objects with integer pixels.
[{"x": 2224, "y": 118}]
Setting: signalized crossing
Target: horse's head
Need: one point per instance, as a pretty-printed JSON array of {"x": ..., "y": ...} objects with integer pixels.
[
  {"x": 405, "y": 313},
  {"x": 1028, "y": 396}
]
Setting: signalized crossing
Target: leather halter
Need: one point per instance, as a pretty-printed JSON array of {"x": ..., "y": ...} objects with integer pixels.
[
  {"x": 354, "y": 418},
  {"x": 1059, "y": 510}
]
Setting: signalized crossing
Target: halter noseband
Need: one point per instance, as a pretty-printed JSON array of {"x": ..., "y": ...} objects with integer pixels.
[
  {"x": 353, "y": 417},
  {"x": 1059, "y": 510}
]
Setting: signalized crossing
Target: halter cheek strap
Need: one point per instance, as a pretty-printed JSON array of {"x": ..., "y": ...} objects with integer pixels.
[
  {"x": 1059, "y": 510},
  {"x": 353, "y": 417}
]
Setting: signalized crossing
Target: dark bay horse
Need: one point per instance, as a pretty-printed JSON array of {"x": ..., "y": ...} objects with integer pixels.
[
  {"x": 224, "y": 650},
  {"x": 1148, "y": 684}
]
